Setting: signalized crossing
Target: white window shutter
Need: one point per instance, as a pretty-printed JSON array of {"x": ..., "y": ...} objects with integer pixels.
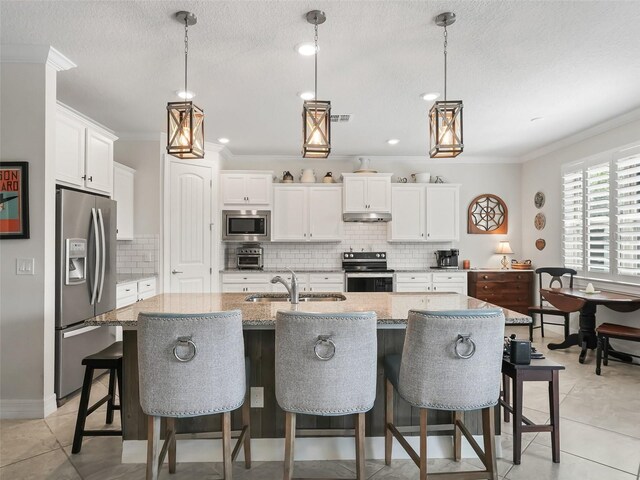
[
  {"x": 597, "y": 195},
  {"x": 627, "y": 225},
  {"x": 573, "y": 220}
]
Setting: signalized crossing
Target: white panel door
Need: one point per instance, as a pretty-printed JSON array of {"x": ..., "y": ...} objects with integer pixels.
[
  {"x": 99, "y": 166},
  {"x": 123, "y": 184},
  {"x": 290, "y": 214},
  {"x": 379, "y": 194},
  {"x": 407, "y": 214},
  {"x": 233, "y": 188},
  {"x": 70, "y": 150},
  {"x": 355, "y": 194},
  {"x": 189, "y": 222},
  {"x": 325, "y": 214},
  {"x": 258, "y": 188},
  {"x": 443, "y": 213}
]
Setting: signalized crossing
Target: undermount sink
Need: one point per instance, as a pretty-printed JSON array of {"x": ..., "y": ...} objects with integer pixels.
[{"x": 305, "y": 297}]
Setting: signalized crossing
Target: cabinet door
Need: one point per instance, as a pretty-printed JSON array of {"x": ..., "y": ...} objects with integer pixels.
[
  {"x": 123, "y": 179},
  {"x": 290, "y": 215},
  {"x": 233, "y": 288},
  {"x": 99, "y": 162},
  {"x": 258, "y": 189},
  {"x": 450, "y": 288},
  {"x": 234, "y": 189},
  {"x": 443, "y": 216},
  {"x": 325, "y": 214},
  {"x": 326, "y": 287},
  {"x": 412, "y": 288},
  {"x": 355, "y": 194},
  {"x": 407, "y": 214},
  {"x": 379, "y": 194},
  {"x": 70, "y": 150}
]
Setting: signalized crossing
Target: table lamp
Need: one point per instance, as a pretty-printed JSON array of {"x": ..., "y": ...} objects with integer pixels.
[{"x": 504, "y": 248}]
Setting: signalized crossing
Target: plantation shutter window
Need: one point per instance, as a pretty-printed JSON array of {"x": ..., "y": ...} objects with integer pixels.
[
  {"x": 597, "y": 219},
  {"x": 627, "y": 225},
  {"x": 572, "y": 219}
]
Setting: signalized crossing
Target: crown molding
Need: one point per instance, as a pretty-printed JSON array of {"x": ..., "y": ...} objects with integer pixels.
[{"x": 44, "y": 54}]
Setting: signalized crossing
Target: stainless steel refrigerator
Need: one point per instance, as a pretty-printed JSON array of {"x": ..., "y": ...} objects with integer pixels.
[{"x": 85, "y": 281}]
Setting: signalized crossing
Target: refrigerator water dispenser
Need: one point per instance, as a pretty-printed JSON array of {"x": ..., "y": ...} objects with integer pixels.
[{"x": 75, "y": 268}]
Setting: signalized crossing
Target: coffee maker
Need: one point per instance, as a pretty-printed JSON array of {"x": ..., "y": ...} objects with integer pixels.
[{"x": 447, "y": 259}]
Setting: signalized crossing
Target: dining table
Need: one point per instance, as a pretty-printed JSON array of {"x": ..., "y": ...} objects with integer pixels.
[{"x": 586, "y": 337}]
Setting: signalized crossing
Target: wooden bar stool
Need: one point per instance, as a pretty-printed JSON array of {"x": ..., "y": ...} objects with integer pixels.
[
  {"x": 537, "y": 371},
  {"x": 192, "y": 365},
  {"x": 606, "y": 331},
  {"x": 450, "y": 361},
  {"x": 326, "y": 365},
  {"x": 109, "y": 359}
]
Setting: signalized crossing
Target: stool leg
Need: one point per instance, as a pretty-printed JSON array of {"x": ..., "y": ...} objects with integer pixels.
[
  {"x": 423, "y": 443},
  {"x": 554, "y": 410},
  {"x": 566, "y": 326},
  {"x": 388, "y": 420},
  {"x": 533, "y": 319},
  {"x": 542, "y": 325},
  {"x": 360, "y": 430},
  {"x": 457, "y": 436},
  {"x": 82, "y": 410},
  {"x": 226, "y": 445},
  {"x": 605, "y": 341},
  {"x": 246, "y": 422},
  {"x": 506, "y": 386},
  {"x": 488, "y": 434},
  {"x": 171, "y": 430},
  {"x": 517, "y": 419},
  {"x": 153, "y": 448},
  {"x": 112, "y": 393},
  {"x": 599, "y": 355},
  {"x": 289, "y": 439}
]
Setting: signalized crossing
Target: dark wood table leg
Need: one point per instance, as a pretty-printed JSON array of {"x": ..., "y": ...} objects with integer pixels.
[
  {"x": 554, "y": 410},
  {"x": 587, "y": 333},
  {"x": 623, "y": 357},
  {"x": 517, "y": 418},
  {"x": 506, "y": 396},
  {"x": 570, "y": 341}
]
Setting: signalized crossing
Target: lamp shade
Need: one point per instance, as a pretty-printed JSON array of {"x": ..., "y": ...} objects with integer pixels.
[
  {"x": 316, "y": 129},
  {"x": 445, "y": 129},
  {"x": 185, "y": 130},
  {"x": 504, "y": 248}
]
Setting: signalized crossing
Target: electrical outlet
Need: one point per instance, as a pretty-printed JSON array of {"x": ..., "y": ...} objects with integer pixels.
[{"x": 257, "y": 397}]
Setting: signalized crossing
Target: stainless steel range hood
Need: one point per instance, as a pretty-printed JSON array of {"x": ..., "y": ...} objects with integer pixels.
[{"x": 366, "y": 217}]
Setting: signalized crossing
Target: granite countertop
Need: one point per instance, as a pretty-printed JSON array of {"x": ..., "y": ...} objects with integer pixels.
[
  {"x": 133, "y": 277},
  {"x": 392, "y": 308},
  {"x": 283, "y": 270}
]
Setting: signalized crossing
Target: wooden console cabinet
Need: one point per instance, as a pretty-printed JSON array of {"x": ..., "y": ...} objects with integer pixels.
[{"x": 512, "y": 289}]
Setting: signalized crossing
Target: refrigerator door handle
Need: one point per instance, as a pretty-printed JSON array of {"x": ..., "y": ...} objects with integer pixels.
[
  {"x": 94, "y": 223},
  {"x": 80, "y": 331},
  {"x": 103, "y": 248}
]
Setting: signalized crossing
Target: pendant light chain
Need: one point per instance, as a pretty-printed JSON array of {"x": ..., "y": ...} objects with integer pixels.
[
  {"x": 186, "y": 52},
  {"x": 445, "y": 63},
  {"x": 315, "y": 39}
]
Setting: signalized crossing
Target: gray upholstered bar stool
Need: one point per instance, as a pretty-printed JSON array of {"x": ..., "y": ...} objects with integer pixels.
[
  {"x": 325, "y": 365},
  {"x": 450, "y": 361},
  {"x": 191, "y": 365}
]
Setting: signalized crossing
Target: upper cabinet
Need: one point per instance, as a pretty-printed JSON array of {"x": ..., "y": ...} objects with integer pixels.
[
  {"x": 305, "y": 213},
  {"x": 84, "y": 153},
  {"x": 240, "y": 190},
  {"x": 408, "y": 215},
  {"x": 123, "y": 193},
  {"x": 443, "y": 212},
  {"x": 367, "y": 192}
]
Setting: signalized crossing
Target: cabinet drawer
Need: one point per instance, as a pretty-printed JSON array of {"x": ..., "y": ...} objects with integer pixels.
[
  {"x": 412, "y": 287},
  {"x": 326, "y": 278},
  {"x": 126, "y": 290},
  {"x": 246, "y": 278},
  {"x": 408, "y": 277},
  {"x": 501, "y": 277},
  {"x": 326, "y": 287},
  {"x": 148, "y": 285},
  {"x": 503, "y": 299},
  {"x": 504, "y": 287},
  {"x": 453, "y": 277},
  {"x": 123, "y": 301}
]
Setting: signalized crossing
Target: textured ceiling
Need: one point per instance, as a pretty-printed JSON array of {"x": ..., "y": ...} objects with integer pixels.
[{"x": 575, "y": 63}]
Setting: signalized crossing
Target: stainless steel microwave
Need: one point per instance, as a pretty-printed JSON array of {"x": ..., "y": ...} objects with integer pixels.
[{"x": 246, "y": 225}]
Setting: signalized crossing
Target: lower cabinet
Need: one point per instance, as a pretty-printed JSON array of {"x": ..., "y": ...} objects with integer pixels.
[
  {"x": 512, "y": 289},
  {"x": 132, "y": 292},
  {"x": 419, "y": 282},
  {"x": 261, "y": 282},
  {"x": 246, "y": 282}
]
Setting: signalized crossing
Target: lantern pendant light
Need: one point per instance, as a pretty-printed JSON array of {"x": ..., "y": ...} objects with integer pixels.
[
  {"x": 316, "y": 114},
  {"x": 185, "y": 121},
  {"x": 445, "y": 117}
]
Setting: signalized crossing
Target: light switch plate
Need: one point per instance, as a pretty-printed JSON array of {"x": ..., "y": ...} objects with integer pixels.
[
  {"x": 25, "y": 266},
  {"x": 257, "y": 397}
]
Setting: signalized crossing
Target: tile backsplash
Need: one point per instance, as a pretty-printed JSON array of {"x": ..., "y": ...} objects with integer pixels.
[
  {"x": 139, "y": 255},
  {"x": 359, "y": 236}
]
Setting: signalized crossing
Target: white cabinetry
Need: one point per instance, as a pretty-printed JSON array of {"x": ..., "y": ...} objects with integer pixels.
[
  {"x": 314, "y": 282},
  {"x": 246, "y": 189},
  {"x": 419, "y": 282},
  {"x": 407, "y": 214},
  {"x": 135, "y": 291},
  {"x": 367, "y": 192},
  {"x": 443, "y": 212},
  {"x": 84, "y": 153},
  {"x": 246, "y": 282},
  {"x": 123, "y": 184},
  {"x": 304, "y": 213},
  {"x": 449, "y": 282}
]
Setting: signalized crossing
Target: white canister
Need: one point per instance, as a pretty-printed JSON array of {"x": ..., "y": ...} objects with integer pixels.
[{"x": 308, "y": 176}]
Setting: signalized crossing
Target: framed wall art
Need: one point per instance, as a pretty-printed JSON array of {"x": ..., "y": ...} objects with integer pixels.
[
  {"x": 14, "y": 200},
  {"x": 488, "y": 214}
]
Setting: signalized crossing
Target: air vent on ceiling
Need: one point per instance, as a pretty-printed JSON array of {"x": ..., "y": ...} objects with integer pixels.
[{"x": 341, "y": 118}]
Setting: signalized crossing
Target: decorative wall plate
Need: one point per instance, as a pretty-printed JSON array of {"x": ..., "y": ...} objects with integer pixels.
[
  {"x": 487, "y": 214},
  {"x": 541, "y": 243},
  {"x": 540, "y": 221},
  {"x": 539, "y": 199}
]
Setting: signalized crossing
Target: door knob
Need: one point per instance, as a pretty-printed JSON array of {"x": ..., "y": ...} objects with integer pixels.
[{"x": 175, "y": 271}]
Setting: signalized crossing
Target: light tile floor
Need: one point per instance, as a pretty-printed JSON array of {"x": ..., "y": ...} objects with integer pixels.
[{"x": 600, "y": 438}]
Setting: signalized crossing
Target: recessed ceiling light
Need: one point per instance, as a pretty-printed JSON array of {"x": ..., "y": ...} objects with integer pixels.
[
  {"x": 306, "y": 49},
  {"x": 306, "y": 95},
  {"x": 188, "y": 95},
  {"x": 393, "y": 141},
  {"x": 430, "y": 96},
  {"x": 223, "y": 140},
  {"x": 535, "y": 119}
]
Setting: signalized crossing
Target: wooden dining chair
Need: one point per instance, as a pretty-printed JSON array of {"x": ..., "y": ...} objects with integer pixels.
[
  {"x": 557, "y": 275},
  {"x": 564, "y": 303}
]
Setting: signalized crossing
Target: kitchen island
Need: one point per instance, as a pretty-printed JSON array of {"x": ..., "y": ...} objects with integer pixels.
[{"x": 259, "y": 323}]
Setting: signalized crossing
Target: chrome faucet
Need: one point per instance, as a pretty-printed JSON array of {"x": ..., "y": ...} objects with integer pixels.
[{"x": 294, "y": 296}]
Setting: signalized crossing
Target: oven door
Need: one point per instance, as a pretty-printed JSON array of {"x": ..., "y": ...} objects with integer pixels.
[
  {"x": 249, "y": 261},
  {"x": 369, "y": 282},
  {"x": 246, "y": 225}
]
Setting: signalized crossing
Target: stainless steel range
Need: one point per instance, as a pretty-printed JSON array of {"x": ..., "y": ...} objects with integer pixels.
[{"x": 367, "y": 272}]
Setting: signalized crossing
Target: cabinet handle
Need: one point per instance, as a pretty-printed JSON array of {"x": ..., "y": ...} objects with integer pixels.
[
  {"x": 175, "y": 271},
  {"x": 127, "y": 289},
  {"x": 413, "y": 278},
  {"x": 305, "y": 234},
  {"x": 486, "y": 287},
  {"x": 428, "y": 234},
  {"x": 84, "y": 177},
  {"x": 422, "y": 234},
  {"x": 90, "y": 178},
  {"x": 434, "y": 289},
  {"x": 486, "y": 277}
]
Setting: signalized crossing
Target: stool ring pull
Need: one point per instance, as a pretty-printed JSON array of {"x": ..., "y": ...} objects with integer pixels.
[
  {"x": 185, "y": 342},
  {"x": 324, "y": 348},
  {"x": 462, "y": 339}
]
